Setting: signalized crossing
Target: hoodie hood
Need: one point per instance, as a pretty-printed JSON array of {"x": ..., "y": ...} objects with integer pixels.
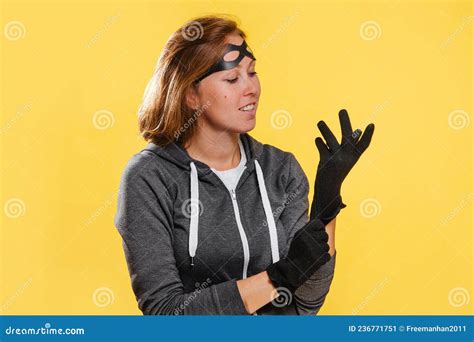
[{"x": 177, "y": 155}]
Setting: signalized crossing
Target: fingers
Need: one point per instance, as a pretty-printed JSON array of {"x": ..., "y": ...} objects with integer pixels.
[
  {"x": 356, "y": 135},
  {"x": 328, "y": 136},
  {"x": 366, "y": 138},
  {"x": 321, "y": 238},
  {"x": 323, "y": 150},
  {"x": 346, "y": 128},
  {"x": 326, "y": 257}
]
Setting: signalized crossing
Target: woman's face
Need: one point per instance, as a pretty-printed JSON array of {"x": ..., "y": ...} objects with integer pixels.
[{"x": 224, "y": 94}]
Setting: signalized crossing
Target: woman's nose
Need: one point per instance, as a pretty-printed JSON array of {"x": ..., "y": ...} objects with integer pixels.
[{"x": 251, "y": 85}]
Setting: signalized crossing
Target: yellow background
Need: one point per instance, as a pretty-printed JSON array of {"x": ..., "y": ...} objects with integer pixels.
[{"x": 73, "y": 75}]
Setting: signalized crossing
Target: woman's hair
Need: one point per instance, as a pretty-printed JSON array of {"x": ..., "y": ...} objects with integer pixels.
[{"x": 164, "y": 115}]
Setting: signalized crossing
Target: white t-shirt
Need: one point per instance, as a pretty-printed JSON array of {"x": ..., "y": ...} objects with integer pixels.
[{"x": 230, "y": 177}]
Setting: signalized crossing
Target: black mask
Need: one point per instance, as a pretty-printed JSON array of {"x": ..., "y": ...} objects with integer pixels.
[{"x": 233, "y": 54}]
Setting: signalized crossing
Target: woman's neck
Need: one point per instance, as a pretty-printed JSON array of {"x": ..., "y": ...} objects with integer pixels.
[{"x": 219, "y": 150}]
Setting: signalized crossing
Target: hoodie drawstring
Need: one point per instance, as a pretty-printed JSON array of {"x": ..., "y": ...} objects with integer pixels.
[
  {"x": 268, "y": 213},
  {"x": 194, "y": 216}
]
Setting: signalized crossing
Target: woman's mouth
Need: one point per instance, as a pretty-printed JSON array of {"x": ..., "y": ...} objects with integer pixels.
[{"x": 248, "y": 108}]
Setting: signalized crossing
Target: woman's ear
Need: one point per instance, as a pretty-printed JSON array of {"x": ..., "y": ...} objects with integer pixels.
[{"x": 192, "y": 98}]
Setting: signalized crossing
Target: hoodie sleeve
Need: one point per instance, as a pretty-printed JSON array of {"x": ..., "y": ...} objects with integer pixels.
[
  {"x": 144, "y": 220},
  {"x": 310, "y": 296}
]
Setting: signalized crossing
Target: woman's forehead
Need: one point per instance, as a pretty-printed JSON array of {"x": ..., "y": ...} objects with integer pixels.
[
  {"x": 234, "y": 39},
  {"x": 246, "y": 62}
]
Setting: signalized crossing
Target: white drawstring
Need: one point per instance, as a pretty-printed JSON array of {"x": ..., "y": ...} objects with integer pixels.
[
  {"x": 194, "y": 217},
  {"x": 268, "y": 213}
]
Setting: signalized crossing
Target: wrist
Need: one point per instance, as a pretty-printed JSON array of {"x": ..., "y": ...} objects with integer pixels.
[
  {"x": 278, "y": 278},
  {"x": 326, "y": 210}
]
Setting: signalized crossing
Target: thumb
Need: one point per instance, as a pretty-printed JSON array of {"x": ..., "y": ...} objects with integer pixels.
[{"x": 364, "y": 142}]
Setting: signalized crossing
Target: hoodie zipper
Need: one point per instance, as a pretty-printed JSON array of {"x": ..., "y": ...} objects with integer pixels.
[{"x": 243, "y": 236}]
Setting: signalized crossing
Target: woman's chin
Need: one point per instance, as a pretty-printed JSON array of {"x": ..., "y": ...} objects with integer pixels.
[
  {"x": 247, "y": 126},
  {"x": 241, "y": 126}
]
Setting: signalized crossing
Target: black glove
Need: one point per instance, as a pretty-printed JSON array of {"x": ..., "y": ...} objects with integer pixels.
[
  {"x": 334, "y": 165},
  {"x": 308, "y": 251}
]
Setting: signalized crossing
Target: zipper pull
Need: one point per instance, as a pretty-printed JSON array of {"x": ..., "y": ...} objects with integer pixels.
[
  {"x": 233, "y": 194},
  {"x": 192, "y": 261}
]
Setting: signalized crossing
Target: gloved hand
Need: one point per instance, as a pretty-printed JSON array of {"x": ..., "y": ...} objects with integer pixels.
[
  {"x": 336, "y": 160},
  {"x": 308, "y": 251}
]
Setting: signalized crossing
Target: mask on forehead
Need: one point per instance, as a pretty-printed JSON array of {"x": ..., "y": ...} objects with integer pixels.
[{"x": 233, "y": 54}]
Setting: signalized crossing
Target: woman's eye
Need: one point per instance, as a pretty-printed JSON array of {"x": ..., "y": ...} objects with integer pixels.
[{"x": 252, "y": 74}]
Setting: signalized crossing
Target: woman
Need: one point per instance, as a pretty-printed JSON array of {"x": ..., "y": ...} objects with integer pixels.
[{"x": 214, "y": 222}]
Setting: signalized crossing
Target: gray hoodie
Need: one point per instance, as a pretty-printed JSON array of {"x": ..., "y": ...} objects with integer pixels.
[{"x": 187, "y": 239}]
